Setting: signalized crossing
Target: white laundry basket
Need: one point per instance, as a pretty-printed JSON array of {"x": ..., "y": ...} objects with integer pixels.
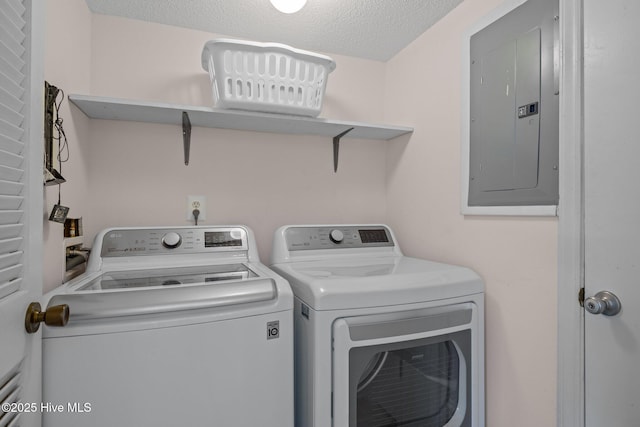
[{"x": 269, "y": 77}]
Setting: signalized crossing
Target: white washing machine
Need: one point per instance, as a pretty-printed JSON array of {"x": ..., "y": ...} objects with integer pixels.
[
  {"x": 172, "y": 327},
  {"x": 381, "y": 339}
]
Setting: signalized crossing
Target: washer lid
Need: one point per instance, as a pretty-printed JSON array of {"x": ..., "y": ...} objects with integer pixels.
[
  {"x": 115, "y": 280},
  {"x": 373, "y": 282},
  {"x": 140, "y": 292}
]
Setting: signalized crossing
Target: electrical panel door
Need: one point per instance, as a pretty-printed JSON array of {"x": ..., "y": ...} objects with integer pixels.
[{"x": 514, "y": 109}]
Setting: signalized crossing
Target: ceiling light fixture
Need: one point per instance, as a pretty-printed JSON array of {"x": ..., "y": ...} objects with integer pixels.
[{"x": 288, "y": 6}]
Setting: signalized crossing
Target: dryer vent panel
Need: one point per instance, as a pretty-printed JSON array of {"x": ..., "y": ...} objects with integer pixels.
[{"x": 513, "y": 125}]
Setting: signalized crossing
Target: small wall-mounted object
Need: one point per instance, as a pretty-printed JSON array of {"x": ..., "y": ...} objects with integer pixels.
[
  {"x": 75, "y": 254},
  {"x": 52, "y": 124},
  {"x": 75, "y": 257},
  {"x": 511, "y": 111},
  {"x": 73, "y": 227},
  {"x": 59, "y": 213}
]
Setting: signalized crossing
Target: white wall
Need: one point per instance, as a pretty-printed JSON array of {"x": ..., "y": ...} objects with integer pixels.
[
  {"x": 515, "y": 256},
  {"x": 67, "y": 66}
]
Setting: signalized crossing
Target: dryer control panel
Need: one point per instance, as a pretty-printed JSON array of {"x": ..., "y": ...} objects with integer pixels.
[{"x": 337, "y": 237}]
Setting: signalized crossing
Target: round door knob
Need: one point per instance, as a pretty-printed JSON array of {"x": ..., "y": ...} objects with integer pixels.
[
  {"x": 336, "y": 236},
  {"x": 603, "y": 302},
  {"x": 171, "y": 240},
  {"x": 57, "y": 315}
]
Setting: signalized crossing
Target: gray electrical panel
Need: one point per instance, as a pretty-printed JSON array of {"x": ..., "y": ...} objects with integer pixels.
[{"x": 514, "y": 108}]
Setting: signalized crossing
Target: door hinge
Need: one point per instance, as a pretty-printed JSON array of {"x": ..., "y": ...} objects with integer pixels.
[
  {"x": 331, "y": 404},
  {"x": 581, "y": 297}
]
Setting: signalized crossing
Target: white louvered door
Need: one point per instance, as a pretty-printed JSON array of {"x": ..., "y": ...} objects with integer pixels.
[{"x": 21, "y": 216}]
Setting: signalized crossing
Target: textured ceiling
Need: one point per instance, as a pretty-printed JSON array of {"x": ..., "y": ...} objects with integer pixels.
[{"x": 374, "y": 29}]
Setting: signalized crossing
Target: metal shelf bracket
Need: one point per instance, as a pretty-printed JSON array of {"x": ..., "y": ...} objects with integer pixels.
[
  {"x": 186, "y": 136},
  {"x": 336, "y": 148}
]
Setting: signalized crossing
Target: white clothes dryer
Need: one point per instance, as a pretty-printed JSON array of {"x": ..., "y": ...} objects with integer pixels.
[
  {"x": 179, "y": 326},
  {"x": 381, "y": 339}
]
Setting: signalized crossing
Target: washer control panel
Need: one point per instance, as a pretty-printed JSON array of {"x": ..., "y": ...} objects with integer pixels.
[
  {"x": 337, "y": 237},
  {"x": 136, "y": 242}
]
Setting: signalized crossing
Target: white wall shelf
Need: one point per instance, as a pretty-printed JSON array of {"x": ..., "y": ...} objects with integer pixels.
[{"x": 105, "y": 108}]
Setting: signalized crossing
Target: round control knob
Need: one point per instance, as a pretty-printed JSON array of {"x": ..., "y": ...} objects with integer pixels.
[
  {"x": 336, "y": 236},
  {"x": 171, "y": 240}
]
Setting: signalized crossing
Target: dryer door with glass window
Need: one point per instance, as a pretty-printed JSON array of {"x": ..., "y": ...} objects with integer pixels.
[{"x": 410, "y": 368}]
